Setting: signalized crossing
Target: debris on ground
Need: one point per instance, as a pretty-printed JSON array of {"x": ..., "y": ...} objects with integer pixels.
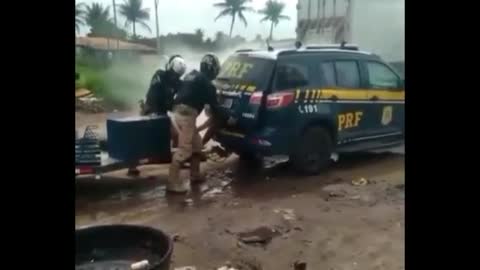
[
  {"x": 229, "y": 173},
  {"x": 242, "y": 264},
  {"x": 186, "y": 268},
  {"x": 360, "y": 182},
  {"x": 212, "y": 193},
  {"x": 188, "y": 202},
  {"x": 141, "y": 265},
  {"x": 82, "y": 92},
  {"x": 261, "y": 235},
  {"x": 287, "y": 214},
  {"x": 336, "y": 194},
  {"x": 298, "y": 265},
  {"x": 178, "y": 238}
]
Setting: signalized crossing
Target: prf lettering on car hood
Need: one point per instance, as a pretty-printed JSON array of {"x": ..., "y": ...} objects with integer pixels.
[{"x": 349, "y": 120}]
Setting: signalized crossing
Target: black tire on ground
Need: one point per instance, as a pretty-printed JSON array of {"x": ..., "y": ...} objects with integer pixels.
[{"x": 313, "y": 151}]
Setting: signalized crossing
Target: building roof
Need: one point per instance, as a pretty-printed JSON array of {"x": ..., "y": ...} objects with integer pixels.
[{"x": 101, "y": 43}]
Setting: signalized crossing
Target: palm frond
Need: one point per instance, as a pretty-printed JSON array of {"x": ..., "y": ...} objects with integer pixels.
[
  {"x": 224, "y": 12},
  {"x": 220, "y": 5},
  {"x": 249, "y": 9},
  {"x": 266, "y": 18},
  {"x": 145, "y": 25},
  {"x": 242, "y": 18}
]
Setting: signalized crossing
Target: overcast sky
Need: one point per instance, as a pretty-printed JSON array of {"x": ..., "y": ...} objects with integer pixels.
[{"x": 188, "y": 15}]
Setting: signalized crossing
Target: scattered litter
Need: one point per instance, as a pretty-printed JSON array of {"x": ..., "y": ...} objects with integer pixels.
[
  {"x": 296, "y": 228},
  {"x": 82, "y": 92},
  {"x": 212, "y": 193},
  {"x": 140, "y": 265},
  {"x": 226, "y": 268},
  {"x": 288, "y": 214},
  {"x": 177, "y": 238},
  {"x": 336, "y": 194},
  {"x": 262, "y": 235},
  {"x": 360, "y": 182},
  {"x": 226, "y": 183},
  {"x": 228, "y": 173},
  {"x": 188, "y": 202},
  {"x": 307, "y": 242},
  {"x": 240, "y": 244},
  {"x": 242, "y": 264},
  {"x": 186, "y": 268},
  {"x": 299, "y": 265}
]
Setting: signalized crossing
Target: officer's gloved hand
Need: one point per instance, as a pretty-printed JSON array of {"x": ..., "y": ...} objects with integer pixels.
[{"x": 231, "y": 121}]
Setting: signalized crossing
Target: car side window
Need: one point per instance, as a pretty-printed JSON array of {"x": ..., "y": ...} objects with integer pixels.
[
  {"x": 348, "y": 74},
  {"x": 328, "y": 71},
  {"x": 291, "y": 75},
  {"x": 380, "y": 76}
]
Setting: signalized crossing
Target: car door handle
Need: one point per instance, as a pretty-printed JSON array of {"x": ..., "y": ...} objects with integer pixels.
[
  {"x": 374, "y": 98},
  {"x": 333, "y": 98}
]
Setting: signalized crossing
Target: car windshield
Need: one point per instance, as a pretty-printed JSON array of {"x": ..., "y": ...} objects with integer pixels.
[{"x": 246, "y": 70}]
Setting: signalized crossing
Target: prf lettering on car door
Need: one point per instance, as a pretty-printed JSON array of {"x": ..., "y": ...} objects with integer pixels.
[{"x": 349, "y": 120}]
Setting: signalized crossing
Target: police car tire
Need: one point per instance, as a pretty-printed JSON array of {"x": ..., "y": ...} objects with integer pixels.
[
  {"x": 249, "y": 159},
  {"x": 313, "y": 151}
]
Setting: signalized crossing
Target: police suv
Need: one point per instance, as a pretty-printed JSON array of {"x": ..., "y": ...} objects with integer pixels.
[{"x": 308, "y": 103}]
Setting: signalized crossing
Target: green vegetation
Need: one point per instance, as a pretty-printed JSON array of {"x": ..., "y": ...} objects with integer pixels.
[
  {"x": 122, "y": 85},
  {"x": 79, "y": 16},
  {"x": 134, "y": 13},
  {"x": 273, "y": 13},
  {"x": 233, "y": 8}
]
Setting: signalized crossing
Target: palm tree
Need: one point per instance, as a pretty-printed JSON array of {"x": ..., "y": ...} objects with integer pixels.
[
  {"x": 199, "y": 34},
  {"x": 233, "y": 8},
  {"x": 134, "y": 13},
  {"x": 97, "y": 17},
  {"x": 273, "y": 13},
  {"x": 157, "y": 30},
  {"x": 79, "y": 16}
]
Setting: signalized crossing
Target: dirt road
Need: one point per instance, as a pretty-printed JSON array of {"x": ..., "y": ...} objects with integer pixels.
[{"x": 330, "y": 221}]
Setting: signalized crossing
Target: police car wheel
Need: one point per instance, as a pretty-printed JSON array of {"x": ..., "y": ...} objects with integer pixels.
[
  {"x": 313, "y": 152},
  {"x": 249, "y": 159}
]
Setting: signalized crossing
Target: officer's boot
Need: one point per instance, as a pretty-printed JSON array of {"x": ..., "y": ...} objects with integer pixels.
[{"x": 175, "y": 183}]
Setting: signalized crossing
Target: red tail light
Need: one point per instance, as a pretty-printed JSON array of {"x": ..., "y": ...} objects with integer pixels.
[
  {"x": 280, "y": 99},
  {"x": 275, "y": 100},
  {"x": 256, "y": 98}
]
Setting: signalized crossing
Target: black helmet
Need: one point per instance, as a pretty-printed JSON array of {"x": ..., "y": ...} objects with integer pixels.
[{"x": 210, "y": 66}]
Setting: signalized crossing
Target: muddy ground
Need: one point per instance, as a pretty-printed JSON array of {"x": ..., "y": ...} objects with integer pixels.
[{"x": 331, "y": 221}]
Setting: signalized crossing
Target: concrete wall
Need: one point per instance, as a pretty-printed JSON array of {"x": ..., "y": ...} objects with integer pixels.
[{"x": 376, "y": 25}]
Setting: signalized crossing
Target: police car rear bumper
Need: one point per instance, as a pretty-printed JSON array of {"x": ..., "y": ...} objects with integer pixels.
[{"x": 262, "y": 143}]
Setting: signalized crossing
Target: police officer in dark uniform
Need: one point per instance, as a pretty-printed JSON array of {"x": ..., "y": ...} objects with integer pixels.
[
  {"x": 196, "y": 91},
  {"x": 163, "y": 87}
]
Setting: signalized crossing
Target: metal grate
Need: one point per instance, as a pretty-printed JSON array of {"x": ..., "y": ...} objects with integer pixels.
[{"x": 87, "y": 148}]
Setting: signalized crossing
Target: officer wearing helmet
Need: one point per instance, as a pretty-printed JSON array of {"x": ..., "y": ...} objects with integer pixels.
[
  {"x": 163, "y": 87},
  {"x": 196, "y": 91}
]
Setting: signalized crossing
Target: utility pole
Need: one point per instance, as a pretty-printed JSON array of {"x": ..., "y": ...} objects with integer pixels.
[
  {"x": 115, "y": 22},
  {"x": 158, "y": 31}
]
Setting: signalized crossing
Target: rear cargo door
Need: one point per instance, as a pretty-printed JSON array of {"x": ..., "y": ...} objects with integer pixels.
[{"x": 240, "y": 85}]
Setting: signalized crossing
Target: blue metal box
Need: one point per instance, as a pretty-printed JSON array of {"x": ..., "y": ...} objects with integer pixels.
[{"x": 139, "y": 137}]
